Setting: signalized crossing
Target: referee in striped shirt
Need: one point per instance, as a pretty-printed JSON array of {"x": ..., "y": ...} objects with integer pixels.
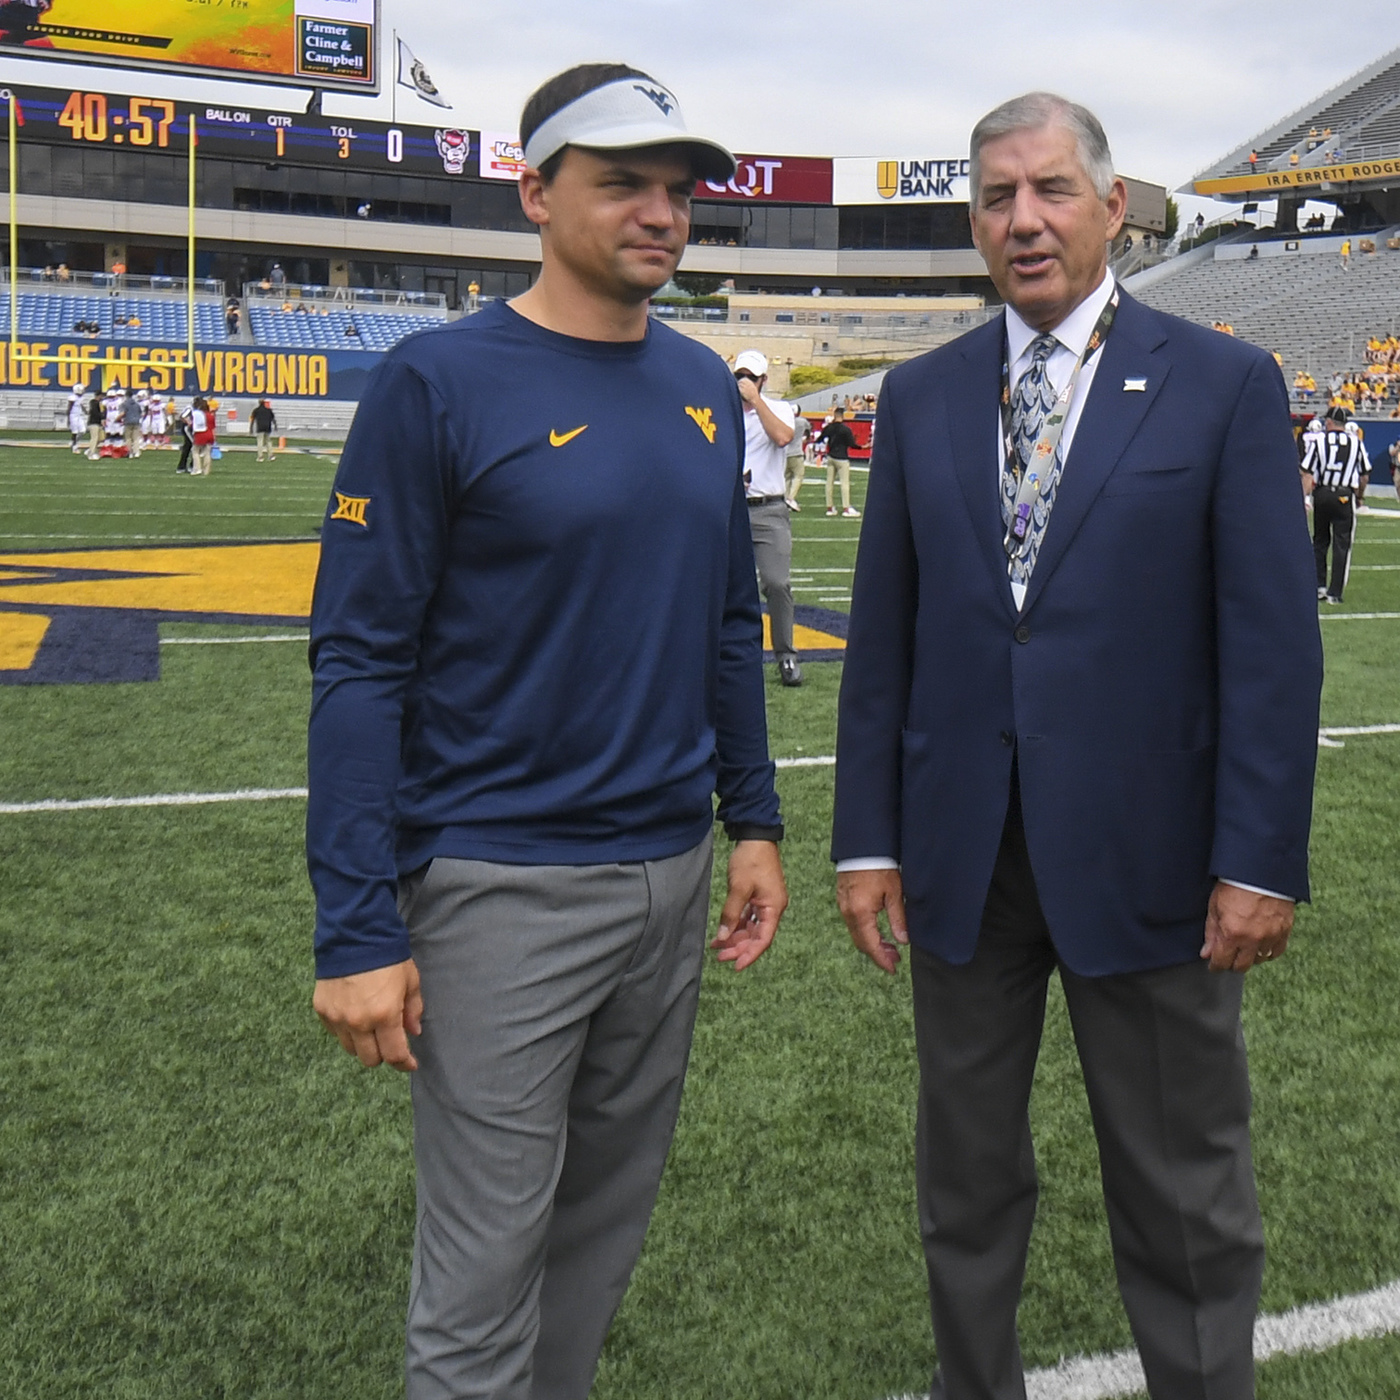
[{"x": 1337, "y": 470}]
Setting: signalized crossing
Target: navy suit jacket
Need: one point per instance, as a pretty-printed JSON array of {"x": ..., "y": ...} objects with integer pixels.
[{"x": 1159, "y": 689}]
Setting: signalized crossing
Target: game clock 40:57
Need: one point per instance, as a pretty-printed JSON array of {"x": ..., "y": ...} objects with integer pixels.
[{"x": 145, "y": 122}]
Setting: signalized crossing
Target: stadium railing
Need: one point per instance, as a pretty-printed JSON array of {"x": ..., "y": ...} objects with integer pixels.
[{"x": 39, "y": 279}]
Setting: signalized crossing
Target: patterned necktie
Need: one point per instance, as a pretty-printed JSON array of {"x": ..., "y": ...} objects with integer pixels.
[{"x": 1031, "y": 402}]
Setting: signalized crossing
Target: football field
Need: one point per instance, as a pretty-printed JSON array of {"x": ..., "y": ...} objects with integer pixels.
[{"x": 202, "y": 1197}]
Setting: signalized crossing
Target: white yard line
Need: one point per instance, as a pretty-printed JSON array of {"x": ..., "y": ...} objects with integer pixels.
[
  {"x": 227, "y": 641},
  {"x": 1313, "y": 1327},
  {"x": 1354, "y": 617},
  {"x": 160, "y": 799},
  {"x": 199, "y": 799},
  {"x": 196, "y": 799}
]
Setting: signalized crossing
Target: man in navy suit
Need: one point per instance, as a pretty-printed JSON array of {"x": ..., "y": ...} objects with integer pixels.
[{"x": 1077, "y": 734}]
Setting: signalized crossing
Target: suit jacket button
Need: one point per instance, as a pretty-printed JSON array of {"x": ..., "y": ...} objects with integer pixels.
[
  {"x": 1006, "y": 737},
  {"x": 1022, "y": 633}
]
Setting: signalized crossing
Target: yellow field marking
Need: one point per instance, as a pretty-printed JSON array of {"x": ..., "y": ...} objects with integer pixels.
[
  {"x": 272, "y": 579},
  {"x": 20, "y": 636},
  {"x": 804, "y": 638}
]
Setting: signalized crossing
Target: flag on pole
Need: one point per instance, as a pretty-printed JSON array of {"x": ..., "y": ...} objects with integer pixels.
[{"x": 413, "y": 75}]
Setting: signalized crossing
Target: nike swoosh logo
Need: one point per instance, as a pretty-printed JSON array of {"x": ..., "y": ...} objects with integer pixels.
[{"x": 558, "y": 439}]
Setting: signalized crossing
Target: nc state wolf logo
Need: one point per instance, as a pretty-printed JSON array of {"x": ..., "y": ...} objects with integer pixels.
[{"x": 454, "y": 147}]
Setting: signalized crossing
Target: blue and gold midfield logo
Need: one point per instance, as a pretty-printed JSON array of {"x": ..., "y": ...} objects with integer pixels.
[{"x": 94, "y": 615}]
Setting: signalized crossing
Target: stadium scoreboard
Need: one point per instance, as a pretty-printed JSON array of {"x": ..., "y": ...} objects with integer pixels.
[
  {"x": 159, "y": 124},
  {"x": 332, "y": 43}
]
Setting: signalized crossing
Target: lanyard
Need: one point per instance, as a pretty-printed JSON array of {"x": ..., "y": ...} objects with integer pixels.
[{"x": 1033, "y": 479}]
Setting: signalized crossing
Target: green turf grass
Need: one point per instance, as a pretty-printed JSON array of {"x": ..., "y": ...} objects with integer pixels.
[
  {"x": 55, "y": 500},
  {"x": 202, "y": 1196}
]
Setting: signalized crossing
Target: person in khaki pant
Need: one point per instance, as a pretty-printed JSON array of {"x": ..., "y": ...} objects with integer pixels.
[
  {"x": 839, "y": 440},
  {"x": 264, "y": 423},
  {"x": 94, "y": 424}
]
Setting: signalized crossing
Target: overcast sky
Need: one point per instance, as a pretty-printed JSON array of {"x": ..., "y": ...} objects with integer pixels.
[{"x": 1177, "y": 85}]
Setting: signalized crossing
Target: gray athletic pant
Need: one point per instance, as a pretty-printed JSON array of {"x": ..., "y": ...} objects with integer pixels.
[
  {"x": 559, "y": 1003},
  {"x": 771, "y": 528},
  {"x": 1164, "y": 1064}
]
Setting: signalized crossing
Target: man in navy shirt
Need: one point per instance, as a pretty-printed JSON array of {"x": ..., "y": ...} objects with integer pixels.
[{"x": 536, "y": 646}]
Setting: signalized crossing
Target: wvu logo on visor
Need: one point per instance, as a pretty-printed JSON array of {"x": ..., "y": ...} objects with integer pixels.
[
  {"x": 351, "y": 508},
  {"x": 663, "y": 100}
]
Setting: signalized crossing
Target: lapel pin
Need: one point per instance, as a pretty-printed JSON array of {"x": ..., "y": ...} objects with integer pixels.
[{"x": 1135, "y": 386}]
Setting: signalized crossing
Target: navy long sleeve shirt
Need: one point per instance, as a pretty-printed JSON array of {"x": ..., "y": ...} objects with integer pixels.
[{"x": 536, "y": 635}]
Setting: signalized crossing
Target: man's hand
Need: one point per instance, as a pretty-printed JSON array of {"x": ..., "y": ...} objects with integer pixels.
[
  {"x": 1244, "y": 928},
  {"x": 748, "y": 390},
  {"x": 757, "y": 897},
  {"x": 369, "y": 1013},
  {"x": 861, "y": 895}
]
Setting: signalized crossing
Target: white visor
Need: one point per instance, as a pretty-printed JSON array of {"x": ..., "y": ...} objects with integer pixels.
[{"x": 622, "y": 116}]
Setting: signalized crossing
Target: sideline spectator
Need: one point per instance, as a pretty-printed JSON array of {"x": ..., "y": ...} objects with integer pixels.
[
  {"x": 202, "y": 435},
  {"x": 838, "y": 440},
  {"x": 264, "y": 423},
  {"x": 94, "y": 424},
  {"x": 768, "y": 430},
  {"x": 182, "y": 426},
  {"x": 795, "y": 467},
  {"x": 131, "y": 424}
]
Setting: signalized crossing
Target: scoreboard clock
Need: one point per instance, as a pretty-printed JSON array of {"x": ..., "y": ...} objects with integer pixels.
[{"x": 90, "y": 119}]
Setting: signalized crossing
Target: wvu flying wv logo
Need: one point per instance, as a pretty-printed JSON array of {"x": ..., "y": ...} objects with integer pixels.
[
  {"x": 92, "y": 616},
  {"x": 704, "y": 420},
  {"x": 663, "y": 99},
  {"x": 351, "y": 508}
]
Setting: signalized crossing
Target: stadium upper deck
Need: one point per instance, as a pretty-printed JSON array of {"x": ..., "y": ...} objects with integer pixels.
[{"x": 1342, "y": 147}]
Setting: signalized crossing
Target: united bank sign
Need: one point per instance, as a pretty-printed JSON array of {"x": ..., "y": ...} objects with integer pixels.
[{"x": 926, "y": 180}]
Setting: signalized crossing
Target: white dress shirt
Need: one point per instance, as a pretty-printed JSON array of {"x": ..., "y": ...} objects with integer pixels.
[{"x": 1073, "y": 335}]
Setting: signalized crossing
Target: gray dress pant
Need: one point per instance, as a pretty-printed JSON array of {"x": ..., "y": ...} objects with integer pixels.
[
  {"x": 559, "y": 1003},
  {"x": 1163, "y": 1058},
  {"x": 771, "y": 528}
]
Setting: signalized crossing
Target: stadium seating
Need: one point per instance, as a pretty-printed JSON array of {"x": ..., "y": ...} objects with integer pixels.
[
  {"x": 332, "y": 329},
  {"x": 1366, "y": 107},
  {"x": 51, "y": 316},
  {"x": 1308, "y": 308}
]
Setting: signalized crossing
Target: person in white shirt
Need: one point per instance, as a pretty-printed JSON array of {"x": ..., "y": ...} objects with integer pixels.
[
  {"x": 768, "y": 428},
  {"x": 77, "y": 418}
]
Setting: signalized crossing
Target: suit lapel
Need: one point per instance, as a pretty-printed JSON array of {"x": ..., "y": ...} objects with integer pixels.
[
  {"x": 1111, "y": 416},
  {"x": 975, "y": 449}
]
